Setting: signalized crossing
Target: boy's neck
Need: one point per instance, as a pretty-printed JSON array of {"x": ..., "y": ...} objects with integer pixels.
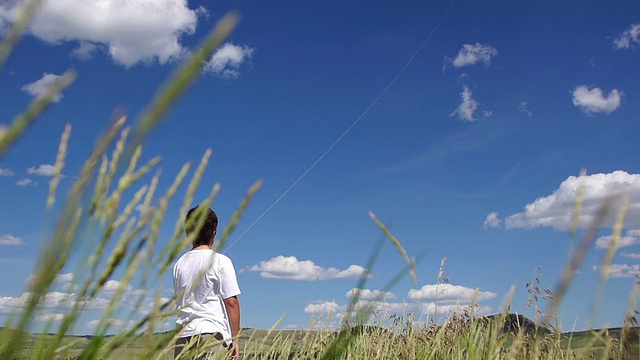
[{"x": 201, "y": 247}]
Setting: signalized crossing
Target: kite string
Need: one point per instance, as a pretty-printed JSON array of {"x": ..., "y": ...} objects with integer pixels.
[{"x": 362, "y": 115}]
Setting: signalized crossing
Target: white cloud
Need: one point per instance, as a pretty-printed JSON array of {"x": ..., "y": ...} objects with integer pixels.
[
  {"x": 621, "y": 270},
  {"x": 84, "y": 50},
  {"x": 523, "y": 108},
  {"x": 592, "y": 100},
  {"x": 26, "y": 182},
  {"x": 471, "y": 54},
  {"x": 467, "y": 107},
  {"x": 630, "y": 255},
  {"x": 60, "y": 278},
  {"x": 492, "y": 221},
  {"x": 133, "y": 31},
  {"x": 39, "y": 87},
  {"x": 49, "y": 317},
  {"x": 323, "y": 307},
  {"x": 628, "y": 38},
  {"x": 449, "y": 293},
  {"x": 366, "y": 294},
  {"x": 6, "y": 172},
  {"x": 632, "y": 237},
  {"x": 290, "y": 268},
  {"x": 10, "y": 240},
  {"x": 226, "y": 61},
  {"x": 556, "y": 210},
  {"x": 42, "y": 170}
]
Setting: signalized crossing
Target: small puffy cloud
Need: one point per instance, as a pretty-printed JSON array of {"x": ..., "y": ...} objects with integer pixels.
[
  {"x": 49, "y": 317},
  {"x": 10, "y": 240},
  {"x": 557, "y": 210},
  {"x": 523, "y": 108},
  {"x": 628, "y": 38},
  {"x": 492, "y": 221},
  {"x": 84, "y": 50},
  {"x": 290, "y": 268},
  {"x": 6, "y": 172},
  {"x": 593, "y": 100},
  {"x": 132, "y": 31},
  {"x": 226, "y": 61},
  {"x": 42, "y": 170},
  {"x": 467, "y": 107},
  {"x": 632, "y": 237},
  {"x": 366, "y": 294},
  {"x": 471, "y": 54},
  {"x": 26, "y": 182},
  {"x": 621, "y": 270},
  {"x": 630, "y": 255},
  {"x": 449, "y": 293},
  {"x": 323, "y": 307},
  {"x": 39, "y": 87}
]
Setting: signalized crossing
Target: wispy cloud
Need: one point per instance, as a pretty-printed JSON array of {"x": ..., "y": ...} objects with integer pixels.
[
  {"x": 632, "y": 237},
  {"x": 621, "y": 270},
  {"x": 6, "y": 172},
  {"x": 49, "y": 317},
  {"x": 468, "y": 106},
  {"x": 523, "y": 107},
  {"x": 42, "y": 170},
  {"x": 26, "y": 182},
  {"x": 228, "y": 59},
  {"x": 629, "y": 38},
  {"x": 470, "y": 140},
  {"x": 492, "y": 221},
  {"x": 84, "y": 50},
  {"x": 290, "y": 268},
  {"x": 593, "y": 100},
  {"x": 10, "y": 240},
  {"x": 39, "y": 87},
  {"x": 471, "y": 54}
]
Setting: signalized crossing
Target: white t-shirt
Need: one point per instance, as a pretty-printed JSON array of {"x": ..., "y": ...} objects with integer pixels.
[{"x": 200, "y": 301}]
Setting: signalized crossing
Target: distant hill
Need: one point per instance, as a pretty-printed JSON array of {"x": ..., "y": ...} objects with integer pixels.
[{"x": 517, "y": 322}]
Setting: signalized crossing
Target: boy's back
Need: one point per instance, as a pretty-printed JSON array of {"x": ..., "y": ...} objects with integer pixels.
[{"x": 202, "y": 280}]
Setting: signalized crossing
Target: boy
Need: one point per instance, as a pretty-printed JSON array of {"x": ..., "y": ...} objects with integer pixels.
[{"x": 206, "y": 289}]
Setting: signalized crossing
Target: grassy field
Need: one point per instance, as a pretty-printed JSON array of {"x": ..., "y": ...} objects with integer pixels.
[{"x": 372, "y": 342}]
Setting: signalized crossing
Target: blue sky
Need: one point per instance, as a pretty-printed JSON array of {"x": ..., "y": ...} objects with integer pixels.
[{"x": 471, "y": 155}]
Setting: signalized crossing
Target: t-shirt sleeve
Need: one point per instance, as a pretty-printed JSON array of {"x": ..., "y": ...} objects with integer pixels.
[{"x": 228, "y": 281}]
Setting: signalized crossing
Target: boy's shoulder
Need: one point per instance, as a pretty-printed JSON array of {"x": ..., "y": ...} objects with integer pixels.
[{"x": 223, "y": 258}]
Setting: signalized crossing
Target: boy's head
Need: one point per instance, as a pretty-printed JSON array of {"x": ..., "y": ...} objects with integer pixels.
[{"x": 209, "y": 226}]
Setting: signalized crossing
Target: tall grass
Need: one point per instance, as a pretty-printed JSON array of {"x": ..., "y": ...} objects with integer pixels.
[{"x": 100, "y": 208}]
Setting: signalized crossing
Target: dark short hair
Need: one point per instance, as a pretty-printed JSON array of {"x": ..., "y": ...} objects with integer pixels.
[{"x": 209, "y": 227}]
